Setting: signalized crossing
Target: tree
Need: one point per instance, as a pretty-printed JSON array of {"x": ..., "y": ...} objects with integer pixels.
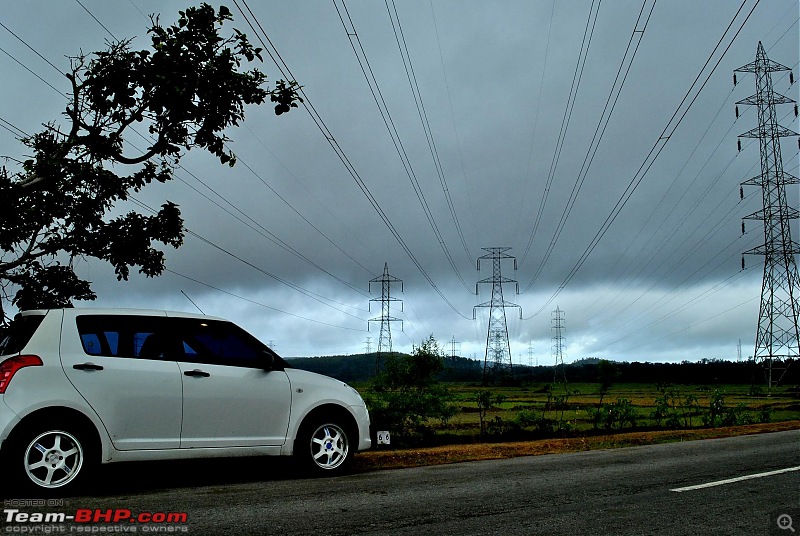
[
  {"x": 485, "y": 399},
  {"x": 57, "y": 206},
  {"x": 607, "y": 374},
  {"x": 408, "y": 393}
]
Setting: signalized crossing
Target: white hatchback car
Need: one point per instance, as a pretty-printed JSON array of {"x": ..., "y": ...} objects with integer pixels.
[{"x": 80, "y": 387}]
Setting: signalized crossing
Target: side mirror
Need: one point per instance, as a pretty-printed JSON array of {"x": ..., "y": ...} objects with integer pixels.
[{"x": 270, "y": 361}]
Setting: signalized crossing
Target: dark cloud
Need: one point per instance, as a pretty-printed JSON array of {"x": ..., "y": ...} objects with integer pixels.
[{"x": 663, "y": 283}]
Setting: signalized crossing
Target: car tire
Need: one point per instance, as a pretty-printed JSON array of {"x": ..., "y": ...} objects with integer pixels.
[
  {"x": 51, "y": 460},
  {"x": 324, "y": 447}
]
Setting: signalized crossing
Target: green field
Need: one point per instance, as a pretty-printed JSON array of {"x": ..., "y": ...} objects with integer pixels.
[{"x": 559, "y": 410}]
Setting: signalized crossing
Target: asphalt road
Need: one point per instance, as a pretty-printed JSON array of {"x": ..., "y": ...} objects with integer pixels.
[{"x": 617, "y": 492}]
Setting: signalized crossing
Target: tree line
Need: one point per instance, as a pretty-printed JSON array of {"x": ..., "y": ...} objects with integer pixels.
[{"x": 361, "y": 368}]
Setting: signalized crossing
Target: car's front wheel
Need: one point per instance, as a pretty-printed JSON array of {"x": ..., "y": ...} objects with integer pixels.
[
  {"x": 324, "y": 446},
  {"x": 50, "y": 459}
]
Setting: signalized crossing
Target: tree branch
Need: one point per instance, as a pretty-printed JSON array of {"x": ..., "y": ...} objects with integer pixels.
[
  {"x": 154, "y": 150},
  {"x": 25, "y": 257}
]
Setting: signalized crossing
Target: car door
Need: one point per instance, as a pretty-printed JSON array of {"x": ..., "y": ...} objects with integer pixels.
[
  {"x": 229, "y": 398},
  {"x": 136, "y": 395}
]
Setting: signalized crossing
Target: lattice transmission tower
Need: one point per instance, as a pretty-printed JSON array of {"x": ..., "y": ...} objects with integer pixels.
[
  {"x": 455, "y": 348},
  {"x": 497, "y": 360},
  {"x": 777, "y": 338},
  {"x": 385, "y": 337},
  {"x": 559, "y": 374}
]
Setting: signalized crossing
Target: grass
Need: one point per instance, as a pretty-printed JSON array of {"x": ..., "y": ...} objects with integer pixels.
[
  {"x": 416, "y": 457},
  {"x": 575, "y": 405},
  {"x": 568, "y": 413}
]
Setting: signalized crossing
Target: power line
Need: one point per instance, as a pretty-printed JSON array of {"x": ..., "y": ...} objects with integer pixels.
[
  {"x": 704, "y": 295},
  {"x": 13, "y": 129},
  {"x": 33, "y": 73},
  {"x": 689, "y": 252},
  {"x": 32, "y": 49},
  {"x": 263, "y": 231},
  {"x": 423, "y": 115},
  {"x": 526, "y": 178},
  {"x": 452, "y": 113},
  {"x": 636, "y": 35},
  {"x": 273, "y": 53},
  {"x": 588, "y": 32},
  {"x": 653, "y": 341},
  {"x": 254, "y": 302},
  {"x": 658, "y": 245},
  {"x": 97, "y": 20},
  {"x": 383, "y": 108},
  {"x": 631, "y": 273},
  {"x": 672, "y": 125},
  {"x": 310, "y": 193},
  {"x": 314, "y": 296}
]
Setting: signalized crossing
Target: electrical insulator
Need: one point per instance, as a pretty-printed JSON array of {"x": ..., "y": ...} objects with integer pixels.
[
  {"x": 795, "y": 110},
  {"x": 741, "y": 192},
  {"x": 742, "y": 263},
  {"x": 737, "y": 112},
  {"x": 743, "y": 232},
  {"x": 734, "y": 79},
  {"x": 739, "y": 145},
  {"x": 791, "y": 77}
]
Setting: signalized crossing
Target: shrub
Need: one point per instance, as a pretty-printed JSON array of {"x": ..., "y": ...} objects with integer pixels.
[
  {"x": 407, "y": 394},
  {"x": 666, "y": 411},
  {"x": 485, "y": 400},
  {"x": 617, "y": 414},
  {"x": 716, "y": 407}
]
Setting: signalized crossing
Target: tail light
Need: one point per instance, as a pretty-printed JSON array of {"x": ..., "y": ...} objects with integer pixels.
[{"x": 10, "y": 366}]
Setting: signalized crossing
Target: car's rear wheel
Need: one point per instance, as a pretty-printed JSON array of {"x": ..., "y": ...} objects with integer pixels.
[
  {"x": 324, "y": 446},
  {"x": 51, "y": 459}
]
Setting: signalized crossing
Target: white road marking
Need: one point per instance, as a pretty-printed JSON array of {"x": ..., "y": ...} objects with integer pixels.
[{"x": 737, "y": 479}]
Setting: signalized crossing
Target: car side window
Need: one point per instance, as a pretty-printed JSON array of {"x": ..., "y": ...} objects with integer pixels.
[
  {"x": 219, "y": 343},
  {"x": 91, "y": 343},
  {"x": 131, "y": 336},
  {"x": 112, "y": 339},
  {"x": 190, "y": 340}
]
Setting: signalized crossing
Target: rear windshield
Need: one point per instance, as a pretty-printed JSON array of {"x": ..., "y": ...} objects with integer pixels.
[{"x": 14, "y": 338}]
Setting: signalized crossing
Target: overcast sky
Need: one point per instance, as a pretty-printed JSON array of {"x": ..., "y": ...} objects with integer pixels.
[{"x": 536, "y": 119}]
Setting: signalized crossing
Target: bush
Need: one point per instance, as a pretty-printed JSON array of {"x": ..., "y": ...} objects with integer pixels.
[
  {"x": 407, "y": 394},
  {"x": 485, "y": 400},
  {"x": 737, "y": 416},
  {"x": 666, "y": 411},
  {"x": 617, "y": 414},
  {"x": 716, "y": 408}
]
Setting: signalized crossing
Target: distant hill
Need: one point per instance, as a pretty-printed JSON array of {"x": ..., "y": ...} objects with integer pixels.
[
  {"x": 587, "y": 361},
  {"x": 348, "y": 368},
  {"x": 361, "y": 368}
]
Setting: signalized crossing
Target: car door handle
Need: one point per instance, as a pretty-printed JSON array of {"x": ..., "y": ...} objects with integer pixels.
[
  {"x": 87, "y": 366},
  {"x": 196, "y": 373}
]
